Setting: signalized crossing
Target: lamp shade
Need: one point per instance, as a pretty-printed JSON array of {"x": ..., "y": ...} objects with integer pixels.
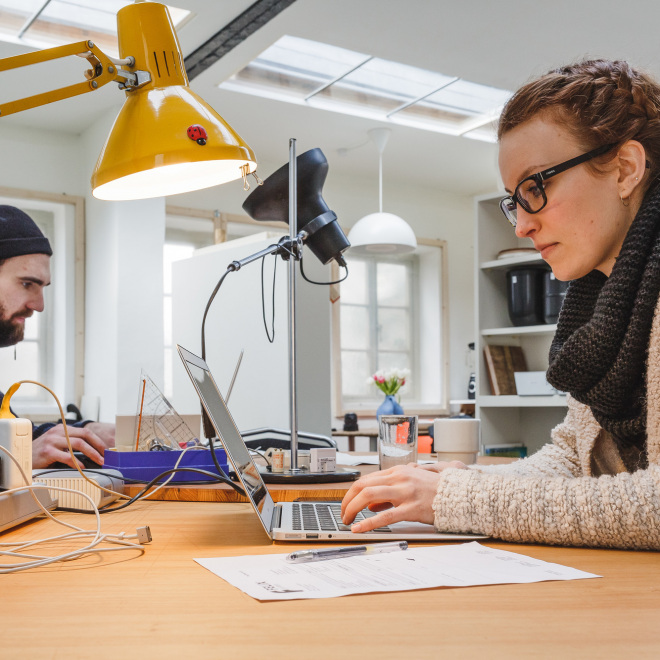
[
  {"x": 166, "y": 139},
  {"x": 381, "y": 233}
]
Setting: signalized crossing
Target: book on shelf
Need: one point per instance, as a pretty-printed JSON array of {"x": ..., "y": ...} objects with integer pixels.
[
  {"x": 501, "y": 364},
  {"x": 508, "y": 450}
]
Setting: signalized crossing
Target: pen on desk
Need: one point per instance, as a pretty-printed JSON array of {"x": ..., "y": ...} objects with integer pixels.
[{"x": 349, "y": 551}]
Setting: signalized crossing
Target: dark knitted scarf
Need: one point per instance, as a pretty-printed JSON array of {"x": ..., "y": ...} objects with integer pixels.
[{"x": 599, "y": 352}]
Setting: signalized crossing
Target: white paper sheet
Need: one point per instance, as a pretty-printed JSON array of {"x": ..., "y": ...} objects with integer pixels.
[{"x": 271, "y": 577}]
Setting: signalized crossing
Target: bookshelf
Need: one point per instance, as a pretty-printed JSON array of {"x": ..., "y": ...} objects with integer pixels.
[{"x": 507, "y": 418}]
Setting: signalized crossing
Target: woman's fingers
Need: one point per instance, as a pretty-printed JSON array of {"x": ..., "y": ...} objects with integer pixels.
[{"x": 403, "y": 493}]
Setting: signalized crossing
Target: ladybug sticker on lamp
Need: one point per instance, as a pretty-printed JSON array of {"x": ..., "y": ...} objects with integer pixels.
[{"x": 197, "y": 133}]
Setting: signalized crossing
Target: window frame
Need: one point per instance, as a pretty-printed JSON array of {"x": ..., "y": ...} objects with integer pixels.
[
  {"x": 373, "y": 352},
  {"x": 441, "y": 407}
]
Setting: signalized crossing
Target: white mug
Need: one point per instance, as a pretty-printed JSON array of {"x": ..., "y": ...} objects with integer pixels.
[{"x": 456, "y": 438}]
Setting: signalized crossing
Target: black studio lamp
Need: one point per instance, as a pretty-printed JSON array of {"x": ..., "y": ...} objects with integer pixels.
[
  {"x": 293, "y": 194},
  {"x": 270, "y": 202}
]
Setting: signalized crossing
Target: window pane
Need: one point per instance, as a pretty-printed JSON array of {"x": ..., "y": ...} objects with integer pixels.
[
  {"x": 32, "y": 326},
  {"x": 394, "y": 361},
  {"x": 454, "y": 105},
  {"x": 296, "y": 67},
  {"x": 354, "y": 374},
  {"x": 173, "y": 252},
  {"x": 384, "y": 85},
  {"x": 167, "y": 320},
  {"x": 486, "y": 133},
  {"x": 355, "y": 288},
  {"x": 67, "y": 21},
  {"x": 25, "y": 367},
  {"x": 393, "y": 284},
  {"x": 168, "y": 379},
  {"x": 469, "y": 98},
  {"x": 354, "y": 327},
  {"x": 14, "y": 13},
  {"x": 393, "y": 330}
]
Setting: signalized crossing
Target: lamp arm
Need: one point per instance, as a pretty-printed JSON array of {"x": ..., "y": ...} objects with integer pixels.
[
  {"x": 284, "y": 248},
  {"x": 102, "y": 72}
]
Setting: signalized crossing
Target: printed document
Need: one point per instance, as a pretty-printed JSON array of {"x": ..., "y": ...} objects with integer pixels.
[{"x": 272, "y": 577}]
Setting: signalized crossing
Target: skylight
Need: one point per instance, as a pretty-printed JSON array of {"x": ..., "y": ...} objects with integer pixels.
[
  {"x": 44, "y": 24},
  {"x": 311, "y": 73}
]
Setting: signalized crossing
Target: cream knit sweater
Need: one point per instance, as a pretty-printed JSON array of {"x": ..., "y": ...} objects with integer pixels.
[{"x": 574, "y": 491}]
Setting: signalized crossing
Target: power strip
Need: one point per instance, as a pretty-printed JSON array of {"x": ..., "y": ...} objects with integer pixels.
[{"x": 111, "y": 479}]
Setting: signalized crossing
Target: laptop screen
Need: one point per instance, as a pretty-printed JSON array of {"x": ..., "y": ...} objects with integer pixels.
[{"x": 224, "y": 425}]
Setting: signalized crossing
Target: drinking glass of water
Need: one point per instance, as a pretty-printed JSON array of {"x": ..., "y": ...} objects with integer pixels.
[{"x": 397, "y": 440}]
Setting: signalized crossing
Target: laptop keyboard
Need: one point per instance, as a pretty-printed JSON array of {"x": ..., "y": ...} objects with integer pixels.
[{"x": 325, "y": 517}]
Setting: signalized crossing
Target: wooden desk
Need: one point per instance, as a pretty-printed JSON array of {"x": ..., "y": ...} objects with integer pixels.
[
  {"x": 163, "y": 605},
  {"x": 279, "y": 492}
]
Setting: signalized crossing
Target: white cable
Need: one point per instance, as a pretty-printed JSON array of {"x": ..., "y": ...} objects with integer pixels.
[
  {"x": 35, "y": 561},
  {"x": 167, "y": 481}
]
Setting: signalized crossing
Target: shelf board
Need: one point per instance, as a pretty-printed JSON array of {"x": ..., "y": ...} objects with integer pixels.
[
  {"x": 499, "y": 264},
  {"x": 514, "y": 401},
  {"x": 515, "y": 331}
]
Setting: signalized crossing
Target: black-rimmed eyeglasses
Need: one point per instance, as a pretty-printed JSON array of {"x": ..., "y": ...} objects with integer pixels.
[{"x": 530, "y": 193}]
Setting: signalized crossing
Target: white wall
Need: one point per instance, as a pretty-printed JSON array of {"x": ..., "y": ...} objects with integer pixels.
[
  {"x": 124, "y": 297},
  {"x": 261, "y": 393},
  {"x": 41, "y": 160}
]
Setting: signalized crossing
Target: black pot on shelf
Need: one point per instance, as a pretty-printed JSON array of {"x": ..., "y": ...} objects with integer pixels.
[
  {"x": 554, "y": 292},
  {"x": 525, "y": 295}
]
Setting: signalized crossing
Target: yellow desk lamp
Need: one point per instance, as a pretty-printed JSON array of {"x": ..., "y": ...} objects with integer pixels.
[{"x": 166, "y": 139}]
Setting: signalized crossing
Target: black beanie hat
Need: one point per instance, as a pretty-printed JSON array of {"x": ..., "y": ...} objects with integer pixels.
[{"x": 20, "y": 235}]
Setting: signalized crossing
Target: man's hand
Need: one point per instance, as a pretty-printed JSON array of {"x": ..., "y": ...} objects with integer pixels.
[
  {"x": 51, "y": 446},
  {"x": 404, "y": 492},
  {"x": 104, "y": 431}
]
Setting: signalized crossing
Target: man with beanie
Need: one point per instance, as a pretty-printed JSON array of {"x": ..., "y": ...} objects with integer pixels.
[{"x": 24, "y": 273}]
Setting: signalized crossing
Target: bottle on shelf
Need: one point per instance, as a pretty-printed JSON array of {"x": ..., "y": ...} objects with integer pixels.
[{"x": 472, "y": 382}]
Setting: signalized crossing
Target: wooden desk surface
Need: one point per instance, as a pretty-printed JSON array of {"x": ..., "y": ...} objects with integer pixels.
[{"x": 164, "y": 605}]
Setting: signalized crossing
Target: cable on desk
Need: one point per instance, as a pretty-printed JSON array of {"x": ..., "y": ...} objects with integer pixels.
[
  {"x": 35, "y": 561},
  {"x": 143, "y": 493},
  {"x": 128, "y": 480}
]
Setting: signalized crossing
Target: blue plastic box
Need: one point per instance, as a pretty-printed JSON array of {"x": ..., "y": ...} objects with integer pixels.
[{"x": 145, "y": 465}]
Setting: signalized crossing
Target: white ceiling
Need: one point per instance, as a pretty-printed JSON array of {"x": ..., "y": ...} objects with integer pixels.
[{"x": 499, "y": 43}]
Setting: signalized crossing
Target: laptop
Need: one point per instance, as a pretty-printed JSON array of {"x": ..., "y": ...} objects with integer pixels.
[{"x": 291, "y": 521}]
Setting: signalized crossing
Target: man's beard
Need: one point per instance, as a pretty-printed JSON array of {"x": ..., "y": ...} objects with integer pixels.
[{"x": 10, "y": 331}]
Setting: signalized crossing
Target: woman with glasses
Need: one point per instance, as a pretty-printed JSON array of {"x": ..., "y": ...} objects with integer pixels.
[{"x": 580, "y": 161}]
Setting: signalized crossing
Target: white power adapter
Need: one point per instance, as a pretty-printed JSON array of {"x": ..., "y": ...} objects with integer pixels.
[
  {"x": 71, "y": 479},
  {"x": 16, "y": 438},
  {"x": 323, "y": 460}
]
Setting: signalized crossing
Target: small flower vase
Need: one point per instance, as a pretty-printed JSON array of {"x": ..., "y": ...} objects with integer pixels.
[{"x": 389, "y": 407}]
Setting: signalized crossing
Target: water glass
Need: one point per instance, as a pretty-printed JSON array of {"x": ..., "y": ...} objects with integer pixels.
[{"x": 397, "y": 440}]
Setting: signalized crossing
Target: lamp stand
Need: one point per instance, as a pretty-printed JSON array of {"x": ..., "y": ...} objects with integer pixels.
[
  {"x": 295, "y": 474},
  {"x": 290, "y": 249}
]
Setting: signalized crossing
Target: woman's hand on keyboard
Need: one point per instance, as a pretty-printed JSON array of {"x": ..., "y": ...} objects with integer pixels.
[{"x": 401, "y": 493}]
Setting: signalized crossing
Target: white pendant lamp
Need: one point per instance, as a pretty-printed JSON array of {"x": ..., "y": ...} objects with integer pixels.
[{"x": 381, "y": 233}]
